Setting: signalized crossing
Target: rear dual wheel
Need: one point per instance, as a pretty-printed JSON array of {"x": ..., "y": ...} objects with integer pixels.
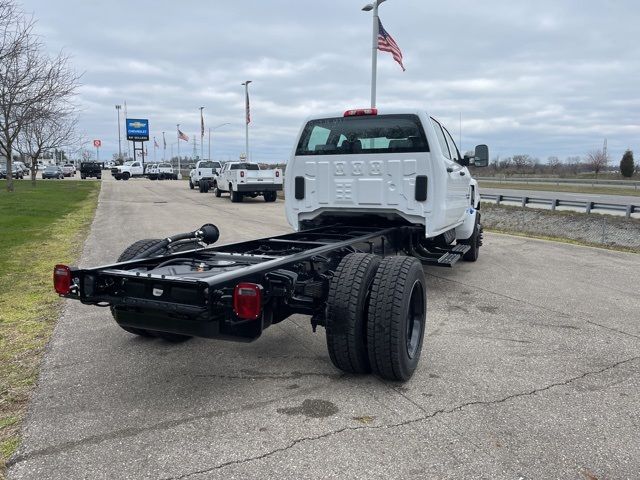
[
  {"x": 270, "y": 196},
  {"x": 376, "y": 315},
  {"x": 130, "y": 252}
]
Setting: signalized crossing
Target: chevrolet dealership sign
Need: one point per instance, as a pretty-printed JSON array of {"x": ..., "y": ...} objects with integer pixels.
[{"x": 138, "y": 129}]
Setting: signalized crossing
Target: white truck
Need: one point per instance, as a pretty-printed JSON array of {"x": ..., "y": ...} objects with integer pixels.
[
  {"x": 203, "y": 174},
  {"x": 244, "y": 179},
  {"x": 128, "y": 170},
  {"x": 373, "y": 197}
]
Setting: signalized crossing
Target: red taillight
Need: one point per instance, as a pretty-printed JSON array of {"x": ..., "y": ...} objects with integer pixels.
[
  {"x": 277, "y": 173},
  {"x": 361, "y": 112},
  {"x": 242, "y": 173},
  {"x": 247, "y": 301},
  {"x": 62, "y": 279}
]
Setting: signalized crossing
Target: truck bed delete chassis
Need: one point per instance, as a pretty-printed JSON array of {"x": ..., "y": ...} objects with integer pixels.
[{"x": 192, "y": 292}]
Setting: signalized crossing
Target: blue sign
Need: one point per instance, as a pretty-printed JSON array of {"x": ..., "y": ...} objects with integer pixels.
[{"x": 138, "y": 129}]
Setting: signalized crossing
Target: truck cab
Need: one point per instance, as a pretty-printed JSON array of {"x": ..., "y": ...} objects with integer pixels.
[
  {"x": 128, "y": 170},
  {"x": 385, "y": 167}
]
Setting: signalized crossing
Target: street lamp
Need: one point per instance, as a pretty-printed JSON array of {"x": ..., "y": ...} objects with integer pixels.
[
  {"x": 118, "y": 107},
  {"x": 247, "y": 118},
  {"x": 374, "y": 47},
  {"x": 214, "y": 129}
]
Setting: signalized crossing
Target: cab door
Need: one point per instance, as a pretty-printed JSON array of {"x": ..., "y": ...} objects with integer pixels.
[{"x": 458, "y": 179}]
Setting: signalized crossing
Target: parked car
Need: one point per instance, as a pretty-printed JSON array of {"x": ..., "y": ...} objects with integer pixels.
[
  {"x": 16, "y": 171},
  {"x": 151, "y": 171},
  {"x": 202, "y": 175},
  {"x": 52, "y": 171},
  {"x": 128, "y": 170},
  {"x": 69, "y": 170},
  {"x": 90, "y": 169},
  {"x": 245, "y": 179},
  {"x": 165, "y": 172}
]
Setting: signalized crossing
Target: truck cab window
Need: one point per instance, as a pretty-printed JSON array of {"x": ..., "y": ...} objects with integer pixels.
[{"x": 441, "y": 138}]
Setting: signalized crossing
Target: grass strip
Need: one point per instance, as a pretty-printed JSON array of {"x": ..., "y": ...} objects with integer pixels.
[
  {"x": 39, "y": 227},
  {"x": 551, "y": 187}
]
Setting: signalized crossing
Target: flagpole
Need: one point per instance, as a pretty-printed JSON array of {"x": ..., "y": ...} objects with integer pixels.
[
  {"x": 246, "y": 120},
  {"x": 374, "y": 54},
  {"x": 178, "y": 135},
  {"x": 201, "y": 134}
]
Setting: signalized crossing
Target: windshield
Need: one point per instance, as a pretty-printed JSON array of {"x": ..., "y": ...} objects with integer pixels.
[
  {"x": 165, "y": 165},
  {"x": 128, "y": 164},
  {"x": 363, "y": 134},
  {"x": 51, "y": 169}
]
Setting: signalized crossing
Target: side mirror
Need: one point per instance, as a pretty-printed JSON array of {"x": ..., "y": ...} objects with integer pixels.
[{"x": 481, "y": 156}]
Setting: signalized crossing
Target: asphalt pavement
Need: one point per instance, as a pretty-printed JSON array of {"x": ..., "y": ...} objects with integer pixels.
[{"x": 530, "y": 369}]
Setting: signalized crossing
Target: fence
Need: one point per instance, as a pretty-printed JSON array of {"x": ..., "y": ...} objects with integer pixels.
[{"x": 586, "y": 206}]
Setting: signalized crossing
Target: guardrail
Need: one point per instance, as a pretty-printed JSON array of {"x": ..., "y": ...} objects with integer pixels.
[
  {"x": 554, "y": 203},
  {"x": 558, "y": 181}
]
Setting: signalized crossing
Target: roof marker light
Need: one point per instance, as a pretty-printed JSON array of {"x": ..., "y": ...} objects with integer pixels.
[{"x": 360, "y": 112}]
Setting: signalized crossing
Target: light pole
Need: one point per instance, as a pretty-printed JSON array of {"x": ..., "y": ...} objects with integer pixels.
[
  {"x": 201, "y": 134},
  {"x": 374, "y": 47},
  {"x": 247, "y": 119},
  {"x": 214, "y": 129},
  {"x": 118, "y": 107}
]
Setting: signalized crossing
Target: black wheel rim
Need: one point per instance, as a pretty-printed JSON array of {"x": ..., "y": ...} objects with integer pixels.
[{"x": 415, "y": 319}]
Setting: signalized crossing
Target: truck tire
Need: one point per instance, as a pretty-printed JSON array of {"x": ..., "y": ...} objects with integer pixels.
[
  {"x": 191, "y": 186},
  {"x": 126, "y": 176},
  {"x": 236, "y": 197},
  {"x": 130, "y": 252},
  {"x": 270, "y": 196},
  {"x": 474, "y": 241},
  {"x": 204, "y": 186},
  {"x": 397, "y": 317},
  {"x": 347, "y": 312},
  {"x": 216, "y": 191}
]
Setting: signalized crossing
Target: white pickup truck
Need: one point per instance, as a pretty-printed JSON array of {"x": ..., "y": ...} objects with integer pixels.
[
  {"x": 202, "y": 175},
  {"x": 373, "y": 197},
  {"x": 128, "y": 170},
  {"x": 401, "y": 167},
  {"x": 242, "y": 179}
]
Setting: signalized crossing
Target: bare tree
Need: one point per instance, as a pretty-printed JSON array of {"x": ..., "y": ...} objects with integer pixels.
[
  {"x": 45, "y": 133},
  {"x": 522, "y": 161},
  {"x": 32, "y": 84},
  {"x": 597, "y": 160}
]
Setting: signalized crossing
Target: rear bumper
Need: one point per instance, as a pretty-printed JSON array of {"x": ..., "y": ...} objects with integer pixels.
[{"x": 258, "y": 187}]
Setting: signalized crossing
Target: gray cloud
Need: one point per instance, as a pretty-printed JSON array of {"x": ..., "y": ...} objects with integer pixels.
[{"x": 544, "y": 78}]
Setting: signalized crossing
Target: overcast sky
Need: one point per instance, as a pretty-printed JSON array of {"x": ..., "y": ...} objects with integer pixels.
[{"x": 543, "y": 78}]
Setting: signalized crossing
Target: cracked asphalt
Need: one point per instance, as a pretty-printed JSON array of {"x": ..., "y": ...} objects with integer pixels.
[{"x": 530, "y": 369}]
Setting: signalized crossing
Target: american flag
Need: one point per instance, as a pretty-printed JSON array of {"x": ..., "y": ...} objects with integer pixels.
[
  {"x": 164, "y": 141},
  {"x": 248, "y": 109},
  {"x": 201, "y": 124},
  {"x": 386, "y": 43},
  {"x": 182, "y": 136},
  {"x": 155, "y": 144}
]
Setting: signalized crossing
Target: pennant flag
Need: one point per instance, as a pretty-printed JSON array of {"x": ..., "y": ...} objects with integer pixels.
[
  {"x": 386, "y": 43},
  {"x": 182, "y": 136}
]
